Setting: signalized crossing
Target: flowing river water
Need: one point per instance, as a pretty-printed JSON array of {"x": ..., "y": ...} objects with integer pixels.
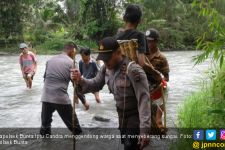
[{"x": 21, "y": 107}]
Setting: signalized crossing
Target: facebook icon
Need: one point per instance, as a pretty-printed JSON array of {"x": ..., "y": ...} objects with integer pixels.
[{"x": 198, "y": 135}]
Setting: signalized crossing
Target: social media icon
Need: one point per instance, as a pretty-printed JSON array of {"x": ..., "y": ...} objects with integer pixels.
[
  {"x": 198, "y": 135},
  {"x": 210, "y": 135},
  {"x": 222, "y": 134}
]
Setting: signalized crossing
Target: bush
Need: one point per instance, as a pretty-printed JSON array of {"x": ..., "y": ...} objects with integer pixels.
[
  {"x": 202, "y": 110},
  {"x": 52, "y": 45},
  {"x": 205, "y": 109},
  {"x": 55, "y": 45}
]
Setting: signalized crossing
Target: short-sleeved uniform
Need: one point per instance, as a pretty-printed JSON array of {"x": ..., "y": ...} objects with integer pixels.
[{"x": 55, "y": 96}]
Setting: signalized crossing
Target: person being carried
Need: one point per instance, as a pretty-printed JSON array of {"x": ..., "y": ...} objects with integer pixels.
[
  {"x": 128, "y": 83},
  {"x": 160, "y": 63},
  {"x": 55, "y": 96},
  {"x": 132, "y": 19},
  {"x": 88, "y": 69},
  {"x": 28, "y": 64}
]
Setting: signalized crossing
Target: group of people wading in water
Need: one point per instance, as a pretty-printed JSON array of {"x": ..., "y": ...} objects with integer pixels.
[{"x": 134, "y": 69}]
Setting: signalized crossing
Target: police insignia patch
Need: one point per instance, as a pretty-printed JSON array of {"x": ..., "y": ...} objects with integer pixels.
[
  {"x": 147, "y": 33},
  {"x": 136, "y": 75}
]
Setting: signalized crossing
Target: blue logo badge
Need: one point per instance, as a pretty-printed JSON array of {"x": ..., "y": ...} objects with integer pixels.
[
  {"x": 210, "y": 135},
  {"x": 198, "y": 135}
]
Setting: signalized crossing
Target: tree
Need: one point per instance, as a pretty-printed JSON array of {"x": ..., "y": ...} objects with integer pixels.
[
  {"x": 212, "y": 41},
  {"x": 95, "y": 19},
  {"x": 12, "y": 15}
]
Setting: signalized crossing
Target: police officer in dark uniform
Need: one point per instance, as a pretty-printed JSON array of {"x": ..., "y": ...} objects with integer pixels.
[{"x": 128, "y": 83}]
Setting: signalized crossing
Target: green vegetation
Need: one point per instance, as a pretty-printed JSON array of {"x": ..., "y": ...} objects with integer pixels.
[
  {"x": 206, "y": 107},
  {"x": 47, "y": 24},
  {"x": 211, "y": 41},
  {"x": 203, "y": 109}
]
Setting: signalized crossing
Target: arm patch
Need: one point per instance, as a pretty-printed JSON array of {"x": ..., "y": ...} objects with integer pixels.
[{"x": 136, "y": 75}]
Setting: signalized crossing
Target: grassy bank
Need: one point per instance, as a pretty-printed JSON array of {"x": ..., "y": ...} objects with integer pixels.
[
  {"x": 53, "y": 46},
  {"x": 203, "y": 109}
]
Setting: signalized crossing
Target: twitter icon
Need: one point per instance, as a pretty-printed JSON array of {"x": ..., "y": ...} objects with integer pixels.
[{"x": 210, "y": 135}]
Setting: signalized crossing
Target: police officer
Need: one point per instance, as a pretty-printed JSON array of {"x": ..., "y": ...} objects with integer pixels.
[
  {"x": 128, "y": 83},
  {"x": 160, "y": 63},
  {"x": 55, "y": 96},
  {"x": 155, "y": 56}
]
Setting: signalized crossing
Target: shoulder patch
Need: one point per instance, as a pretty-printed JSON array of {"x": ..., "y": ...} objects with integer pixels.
[
  {"x": 136, "y": 75},
  {"x": 134, "y": 70}
]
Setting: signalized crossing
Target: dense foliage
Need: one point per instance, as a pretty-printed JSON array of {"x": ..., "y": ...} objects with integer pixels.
[
  {"x": 49, "y": 23},
  {"x": 205, "y": 109}
]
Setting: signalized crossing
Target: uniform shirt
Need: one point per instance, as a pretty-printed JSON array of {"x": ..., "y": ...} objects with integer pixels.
[
  {"x": 56, "y": 80},
  {"x": 27, "y": 62},
  {"x": 88, "y": 70},
  {"x": 134, "y": 34},
  {"x": 160, "y": 63},
  {"x": 132, "y": 86}
]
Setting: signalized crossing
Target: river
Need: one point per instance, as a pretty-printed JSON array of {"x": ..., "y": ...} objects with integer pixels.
[{"x": 21, "y": 107}]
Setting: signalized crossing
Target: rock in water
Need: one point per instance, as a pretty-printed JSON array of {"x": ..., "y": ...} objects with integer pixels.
[{"x": 102, "y": 119}]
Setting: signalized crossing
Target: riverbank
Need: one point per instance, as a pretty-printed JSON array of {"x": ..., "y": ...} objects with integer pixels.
[
  {"x": 203, "y": 109},
  {"x": 55, "y": 46},
  {"x": 16, "y": 51},
  {"x": 39, "y": 51}
]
